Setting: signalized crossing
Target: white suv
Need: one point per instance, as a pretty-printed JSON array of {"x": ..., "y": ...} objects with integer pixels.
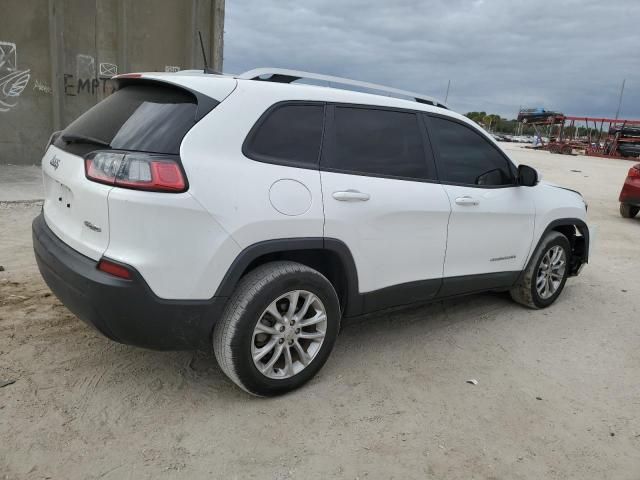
[{"x": 189, "y": 210}]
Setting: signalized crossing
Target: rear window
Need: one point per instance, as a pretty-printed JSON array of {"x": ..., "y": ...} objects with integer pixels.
[
  {"x": 145, "y": 118},
  {"x": 290, "y": 135},
  {"x": 377, "y": 142}
]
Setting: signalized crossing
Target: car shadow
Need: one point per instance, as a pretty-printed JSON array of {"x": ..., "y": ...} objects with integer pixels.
[{"x": 418, "y": 320}]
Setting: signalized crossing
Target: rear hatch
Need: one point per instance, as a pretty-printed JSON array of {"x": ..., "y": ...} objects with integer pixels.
[{"x": 143, "y": 118}]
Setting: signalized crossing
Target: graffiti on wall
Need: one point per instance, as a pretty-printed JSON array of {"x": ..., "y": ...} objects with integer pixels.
[
  {"x": 86, "y": 80},
  {"x": 12, "y": 81},
  {"x": 108, "y": 70},
  {"x": 42, "y": 87}
]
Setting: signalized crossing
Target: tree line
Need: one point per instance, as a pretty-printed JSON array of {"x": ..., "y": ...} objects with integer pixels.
[{"x": 495, "y": 123}]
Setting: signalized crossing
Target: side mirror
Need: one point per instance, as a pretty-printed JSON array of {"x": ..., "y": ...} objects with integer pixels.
[{"x": 528, "y": 176}]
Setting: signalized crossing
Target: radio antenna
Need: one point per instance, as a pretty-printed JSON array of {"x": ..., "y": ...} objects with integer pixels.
[{"x": 204, "y": 57}]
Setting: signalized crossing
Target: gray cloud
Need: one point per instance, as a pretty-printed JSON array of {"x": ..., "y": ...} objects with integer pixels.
[{"x": 568, "y": 55}]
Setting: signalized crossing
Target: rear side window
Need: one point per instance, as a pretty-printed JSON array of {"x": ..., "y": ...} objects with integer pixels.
[
  {"x": 465, "y": 157},
  {"x": 378, "y": 143},
  {"x": 145, "y": 118},
  {"x": 289, "y": 134}
]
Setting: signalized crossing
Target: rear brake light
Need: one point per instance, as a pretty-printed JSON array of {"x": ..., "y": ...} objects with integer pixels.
[
  {"x": 114, "y": 269},
  {"x": 126, "y": 75},
  {"x": 139, "y": 171},
  {"x": 634, "y": 171}
]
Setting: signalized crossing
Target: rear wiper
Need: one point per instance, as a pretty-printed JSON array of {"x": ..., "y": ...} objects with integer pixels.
[{"x": 71, "y": 138}]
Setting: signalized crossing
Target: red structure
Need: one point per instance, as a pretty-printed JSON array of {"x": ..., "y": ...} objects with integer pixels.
[{"x": 615, "y": 138}]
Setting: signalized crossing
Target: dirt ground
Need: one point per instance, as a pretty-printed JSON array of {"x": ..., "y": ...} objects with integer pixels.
[{"x": 558, "y": 393}]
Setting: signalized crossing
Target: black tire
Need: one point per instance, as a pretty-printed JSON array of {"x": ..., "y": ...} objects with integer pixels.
[
  {"x": 233, "y": 334},
  {"x": 628, "y": 211},
  {"x": 525, "y": 292}
]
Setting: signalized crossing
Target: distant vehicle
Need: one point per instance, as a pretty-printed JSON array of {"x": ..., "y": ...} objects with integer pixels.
[
  {"x": 629, "y": 149},
  {"x": 501, "y": 138},
  {"x": 625, "y": 130},
  {"x": 630, "y": 193},
  {"x": 533, "y": 115},
  {"x": 191, "y": 210}
]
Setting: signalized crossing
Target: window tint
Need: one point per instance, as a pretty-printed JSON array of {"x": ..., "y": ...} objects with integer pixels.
[
  {"x": 148, "y": 118},
  {"x": 466, "y": 157},
  {"x": 377, "y": 142},
  {"x": 290, "y": 134}
]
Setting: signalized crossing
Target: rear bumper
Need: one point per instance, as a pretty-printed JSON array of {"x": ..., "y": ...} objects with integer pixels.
[
  {"x": 633, "y": 201},
  {"x": 126, "y": 311}
]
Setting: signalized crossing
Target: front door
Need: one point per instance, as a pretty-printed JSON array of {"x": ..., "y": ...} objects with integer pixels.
[{"x": 492, "y": 219}]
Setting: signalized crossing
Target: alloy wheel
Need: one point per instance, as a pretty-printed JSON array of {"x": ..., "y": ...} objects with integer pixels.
[
  {"x": 551, "y": 272},
  {"x": 289, "y": 334}
]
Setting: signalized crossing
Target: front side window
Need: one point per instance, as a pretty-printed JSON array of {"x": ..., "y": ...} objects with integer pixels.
[
  {"x": 290, "y": 134},
  {"x": 377, "y": 142},
  {"x": 465, "y": 157}
]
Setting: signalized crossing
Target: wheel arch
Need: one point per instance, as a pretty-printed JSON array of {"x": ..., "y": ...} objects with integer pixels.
[
  {"x": 331, "y": 257},
  {"x": 577, "y": 233}
]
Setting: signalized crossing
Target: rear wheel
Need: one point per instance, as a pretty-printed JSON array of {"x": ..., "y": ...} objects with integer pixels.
[
  {"x": 628, "y": 211},
  {"x": 278, "y": 329},
  {"x": 545, "y": 276}
]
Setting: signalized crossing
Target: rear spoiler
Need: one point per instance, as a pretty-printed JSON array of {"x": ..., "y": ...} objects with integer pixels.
[{"x": 205, "y": 103}]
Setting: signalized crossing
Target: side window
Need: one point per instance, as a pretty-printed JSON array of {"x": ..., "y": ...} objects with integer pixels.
[
  {"x": 377, "y": 142},
  {"x": 290, "y": 134},
  {"x": 464, "y": 156}
]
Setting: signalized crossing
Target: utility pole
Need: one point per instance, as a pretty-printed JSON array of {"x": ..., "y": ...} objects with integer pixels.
[
  {"x": 620, "y": 99},
  {"x": 447, "y": 95}
]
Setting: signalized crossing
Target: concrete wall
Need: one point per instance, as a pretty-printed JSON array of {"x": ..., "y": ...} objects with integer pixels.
[{"x": 56, "y": 57}]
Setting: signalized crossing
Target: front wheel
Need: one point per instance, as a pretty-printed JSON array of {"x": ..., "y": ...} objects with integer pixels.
[
  {"x": 628, "y": 211},
  {"x": 278, "y": 328},
  {"x": 544, "y": 278}
]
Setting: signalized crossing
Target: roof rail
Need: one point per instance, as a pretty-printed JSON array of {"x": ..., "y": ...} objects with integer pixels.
[{"x": 282, "y": 75}]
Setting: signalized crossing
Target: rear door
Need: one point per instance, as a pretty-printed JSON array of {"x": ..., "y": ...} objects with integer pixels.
[
  {"x": 143, "y": 117},
  {"x": 492, "y": 219},
  {"x": 381, "y": 199}
]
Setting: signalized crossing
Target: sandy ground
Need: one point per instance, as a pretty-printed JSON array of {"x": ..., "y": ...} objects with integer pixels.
[
  {"x": 20, "y": 183},
  {"x": 558, "y": 392}
]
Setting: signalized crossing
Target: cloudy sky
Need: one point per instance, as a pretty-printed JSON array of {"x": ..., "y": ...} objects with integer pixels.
[{"x": 567, "y": 55}]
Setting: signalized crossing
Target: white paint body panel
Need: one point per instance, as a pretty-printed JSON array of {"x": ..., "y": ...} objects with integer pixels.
[
  {"x": 175, "y": 244},
  {"x": 236, "y": 189},
  {"x": 493, "y": 235},
  {"x": 555, "y": 202},
  {"x": 397, "y": 236}
]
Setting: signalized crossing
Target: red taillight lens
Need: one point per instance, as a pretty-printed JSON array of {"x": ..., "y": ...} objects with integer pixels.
[
  {"x": 114, "y": 269},
  {"x": 634, "y": 171},
  {"x": 127, "y": 75},
  {"x": 140, "y": 171}
]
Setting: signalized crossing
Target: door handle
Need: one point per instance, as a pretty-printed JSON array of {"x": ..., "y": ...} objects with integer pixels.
[
  {"x": 351, "y": 196},
  {"x": 466, "y": 200}
]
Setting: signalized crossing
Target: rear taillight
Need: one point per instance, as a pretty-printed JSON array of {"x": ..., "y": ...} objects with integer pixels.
[
  {"x": 114, "y": 269},
  {"x": 139, "y": 171},
  {"x": 634, "y": 171}
]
